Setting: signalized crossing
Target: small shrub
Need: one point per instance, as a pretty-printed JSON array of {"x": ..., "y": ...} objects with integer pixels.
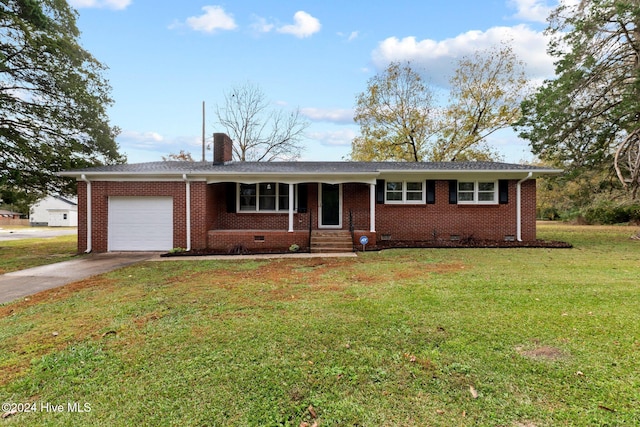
[
  {"x": 294, "y": 248},
  {"x": 607, "y": 213},
  {"x": 177, "y": 250},
  {"x": 238, "y": 250},
  {"x": 548, "y": 213}
]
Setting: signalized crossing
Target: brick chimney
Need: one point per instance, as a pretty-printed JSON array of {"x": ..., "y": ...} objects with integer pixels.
[{"x": 222, "y": 148}]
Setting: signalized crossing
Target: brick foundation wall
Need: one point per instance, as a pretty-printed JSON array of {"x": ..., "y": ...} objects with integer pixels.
[{"x": 227, "y": 241}]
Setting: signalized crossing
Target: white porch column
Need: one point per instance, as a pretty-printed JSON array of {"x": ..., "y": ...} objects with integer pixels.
[
  {"x": 291, "y": 206},
  {"x": 89, "y": 221},
  {"x": 372, "y": 208},
  {"x": 188, "y": 209}
]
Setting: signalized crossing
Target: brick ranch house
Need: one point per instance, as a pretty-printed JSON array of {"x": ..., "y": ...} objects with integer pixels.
[{"x": 228, "y": 206}]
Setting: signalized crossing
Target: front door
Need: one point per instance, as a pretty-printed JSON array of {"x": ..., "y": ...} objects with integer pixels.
[{"x": 330, "y": 206}]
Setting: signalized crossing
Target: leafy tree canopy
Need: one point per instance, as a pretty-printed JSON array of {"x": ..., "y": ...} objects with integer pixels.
[
  {"x": 486, "y": 90},
  {"x": 53, "y": 98},
  {"x": 182, "y": 156},
  {"x": 399, "y": 119},
  {"x": 396, "y": 116},
  {"x": 588, "y": 116}
]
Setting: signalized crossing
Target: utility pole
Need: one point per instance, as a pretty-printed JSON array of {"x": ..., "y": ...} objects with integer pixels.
[{"x": 203, "y": 143}]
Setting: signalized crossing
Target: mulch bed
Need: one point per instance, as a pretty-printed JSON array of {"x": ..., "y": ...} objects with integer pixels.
[
  {"x": 405, "y": 244},
  {"x": 474, "y": 243}
]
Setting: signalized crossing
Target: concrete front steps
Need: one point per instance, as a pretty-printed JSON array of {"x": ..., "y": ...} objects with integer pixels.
[{"x": 331, "y": 241}]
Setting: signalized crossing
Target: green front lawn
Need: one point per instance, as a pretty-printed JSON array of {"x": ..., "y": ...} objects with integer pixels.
[
  {"x": 444, "y": 337},
  {"x": 26, "y": 253}
]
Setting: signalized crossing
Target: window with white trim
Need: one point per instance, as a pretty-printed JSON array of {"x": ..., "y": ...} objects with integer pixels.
[
  {"x": 404, "y": 192},
  {"x": 265, "y": 197},
  {"x": 477, "y": 192}
]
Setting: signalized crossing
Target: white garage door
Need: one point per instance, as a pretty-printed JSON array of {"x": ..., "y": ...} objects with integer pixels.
[{"x": 140, "y": 223}]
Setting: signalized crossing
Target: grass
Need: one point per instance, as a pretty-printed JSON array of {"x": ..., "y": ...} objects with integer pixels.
[
  {"x": 465, "y": 337},
  {"x": 26, "y": 253}
]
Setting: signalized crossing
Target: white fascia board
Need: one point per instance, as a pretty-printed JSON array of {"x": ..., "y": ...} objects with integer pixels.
[
  {"x": 133, "y": 176},
  {"x": 253, "y": 178},
  {"x": 445, "y": 174}
]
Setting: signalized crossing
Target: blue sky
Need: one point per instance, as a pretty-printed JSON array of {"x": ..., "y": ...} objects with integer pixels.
[{"x": 166, "y": 57}]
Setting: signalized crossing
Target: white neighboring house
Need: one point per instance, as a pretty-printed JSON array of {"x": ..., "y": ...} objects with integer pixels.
[{"x": 54, "y": 211}]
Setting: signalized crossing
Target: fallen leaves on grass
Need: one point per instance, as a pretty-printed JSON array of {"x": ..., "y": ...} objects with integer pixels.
[
  {"x": 312, "y": 412},
  {"x": 8, "y": 414},
  {"x": 473, "y": 392}
]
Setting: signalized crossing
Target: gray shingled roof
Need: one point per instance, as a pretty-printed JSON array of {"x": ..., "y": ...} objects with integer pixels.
[{"x": 204, "y": 168}]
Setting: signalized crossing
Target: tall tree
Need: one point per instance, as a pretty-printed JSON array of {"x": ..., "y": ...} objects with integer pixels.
[
  {"x": 259, "y": 131},
  {"x": 53, "y": 98},
  {"x": 588, "y": 117},
  {"x": 485, "y": 94},
  {"x": 396, "y": 116},
  {"x": 399, "y": 120}
]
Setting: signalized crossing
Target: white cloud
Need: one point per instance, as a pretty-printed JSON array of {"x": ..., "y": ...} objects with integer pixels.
[
  {"x": 338, "y": 138},
  {"x": 151, "y": 146},
  {"x": 439, "y": 58},
  {"x": 304, "y": 25},
  {"x": 261, "y": 25},
  {"x": 107, "y": 4},
  {"x": 351, "y": 36},
  {"x": 213, "y": 19},
  {"x": 531, "y": 10},
  {"x": 136, "y": 139},
  {"x": 340, "y": 116}
]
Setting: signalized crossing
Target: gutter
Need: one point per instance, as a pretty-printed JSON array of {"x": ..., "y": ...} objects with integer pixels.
[
  {"x": 188, "y": 208},
  {"x": 519, "y": 206},
  {"x": 83, "y": 177}
]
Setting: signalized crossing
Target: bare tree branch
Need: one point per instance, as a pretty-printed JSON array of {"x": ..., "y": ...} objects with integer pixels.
[{"x": 259, "y": 131}]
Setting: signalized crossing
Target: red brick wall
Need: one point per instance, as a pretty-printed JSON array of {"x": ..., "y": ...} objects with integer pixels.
[
  {"x": 528, "y": 189},
  {"x": 102, "y": 190},
  {"x": 209, "y": 216},
  {"x": 442, "y": 220},
  {"x": 223, "y": 220}
]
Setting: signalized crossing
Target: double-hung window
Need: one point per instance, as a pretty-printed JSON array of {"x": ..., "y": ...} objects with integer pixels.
[
  {"x": 404, "y": 192},
  {"x": 263, "y": 197},
  {"x": 477, "y": 192}
]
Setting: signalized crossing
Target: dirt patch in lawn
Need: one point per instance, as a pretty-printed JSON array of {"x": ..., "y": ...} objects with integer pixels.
[{"x": 542, "y": 353}]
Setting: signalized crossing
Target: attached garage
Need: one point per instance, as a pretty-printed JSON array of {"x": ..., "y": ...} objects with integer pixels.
[{"x": 140, "y": 224}]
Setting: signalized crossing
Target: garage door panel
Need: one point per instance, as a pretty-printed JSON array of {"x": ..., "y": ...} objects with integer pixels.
[{"x": 140, "y": 223}]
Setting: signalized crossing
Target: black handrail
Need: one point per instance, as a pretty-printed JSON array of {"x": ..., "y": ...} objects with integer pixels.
[
  {"x": 352, "y": 228},
  {"x": 310, "y": 228}
]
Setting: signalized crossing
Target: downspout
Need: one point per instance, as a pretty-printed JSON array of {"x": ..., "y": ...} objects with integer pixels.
[
  {"x": 188, "y": 203},
  {"x": 83, "y": 177},
  {"x": 519, "y": 206}
]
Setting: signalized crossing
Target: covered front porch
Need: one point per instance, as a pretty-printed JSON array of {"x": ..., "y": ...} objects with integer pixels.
[{"x": 272, "y": 216}]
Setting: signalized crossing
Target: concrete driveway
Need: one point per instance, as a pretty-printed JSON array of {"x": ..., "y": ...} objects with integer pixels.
[
  {"x": 19, "y": 284},
  {"x": 9, "y": 233}
]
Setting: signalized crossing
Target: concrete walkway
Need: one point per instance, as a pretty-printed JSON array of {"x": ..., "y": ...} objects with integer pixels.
[{"x": 19, "y": 284}]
